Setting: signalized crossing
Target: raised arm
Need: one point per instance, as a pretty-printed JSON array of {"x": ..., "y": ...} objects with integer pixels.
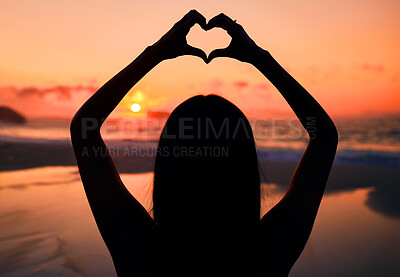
[
  {"x": 287, "y": 226},
  {"x": 124, "y": 224},
  {"x": 285, "y": 229}
]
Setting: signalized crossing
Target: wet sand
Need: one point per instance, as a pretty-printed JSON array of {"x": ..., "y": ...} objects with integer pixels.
[{"x": 47, "y": 228}]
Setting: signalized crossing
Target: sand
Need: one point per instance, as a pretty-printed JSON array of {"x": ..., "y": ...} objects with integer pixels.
[{"x": 47, "y": 228}]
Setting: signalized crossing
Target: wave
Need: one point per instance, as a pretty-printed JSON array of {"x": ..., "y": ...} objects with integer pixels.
[
  {"x": 352, "y": 157},
  {"x": 343, "y": 156}
]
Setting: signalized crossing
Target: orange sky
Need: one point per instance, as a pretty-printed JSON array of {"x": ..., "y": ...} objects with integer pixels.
[{"x": 54, "y": 54}]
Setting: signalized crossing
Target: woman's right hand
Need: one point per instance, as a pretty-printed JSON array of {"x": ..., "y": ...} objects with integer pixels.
[
  {"x": 242, "y": 47},
  {"x": 174, "y": 44}
]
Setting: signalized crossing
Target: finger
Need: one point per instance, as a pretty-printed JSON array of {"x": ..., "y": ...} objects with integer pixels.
[
  {"x": 192, "y": 18},
  {"x": 221, "y": 21},
  {"x": 198, "y": 18},
  {"x": 225, "y": 52},
  {"x": 190, "y": 50},
  {"x": 184, "y": 19}
]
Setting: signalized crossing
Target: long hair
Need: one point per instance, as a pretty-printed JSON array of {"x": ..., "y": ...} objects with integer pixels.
[{"x": 206, "y": 195}]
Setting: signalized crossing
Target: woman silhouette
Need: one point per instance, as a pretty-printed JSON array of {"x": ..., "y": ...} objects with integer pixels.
[{"x": 206, "y": 206}]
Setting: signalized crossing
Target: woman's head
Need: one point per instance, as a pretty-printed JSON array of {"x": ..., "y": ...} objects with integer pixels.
[
  {"x": 206, "y": 163},
  {"x": 206, "y": 179}
]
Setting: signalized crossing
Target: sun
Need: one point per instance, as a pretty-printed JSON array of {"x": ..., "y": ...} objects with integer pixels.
[{"x": 135, "y": 107}]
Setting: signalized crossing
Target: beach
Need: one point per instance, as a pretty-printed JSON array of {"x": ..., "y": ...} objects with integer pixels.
[
  {"x": 124, "y": 69},
  {"x": 48, "y": 229}
]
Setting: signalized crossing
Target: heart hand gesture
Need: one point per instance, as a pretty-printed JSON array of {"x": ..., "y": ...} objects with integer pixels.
[
  {"x": 241, "y": 48},
  {"x": 174, "y": 44}
]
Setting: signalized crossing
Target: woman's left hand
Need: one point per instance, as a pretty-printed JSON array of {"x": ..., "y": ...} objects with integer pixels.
[
  {"x": 241, "y": 48},
  {"x": 173, "y": 44}
]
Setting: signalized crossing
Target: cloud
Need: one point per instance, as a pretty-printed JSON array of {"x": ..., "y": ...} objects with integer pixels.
[
  {"x": 62, "y": 92},
  {"x": 29, "y": 92},
  {"x": 262, "y": 87},
  {"x": 43, "y": 101},
  {"x": 370, "y": 67},
  {"x": 216, "y": 83},
  {"x": 240, "y": 84},
  {"x": 252, "y": 98},
  {"x": 237, "y": 88}
]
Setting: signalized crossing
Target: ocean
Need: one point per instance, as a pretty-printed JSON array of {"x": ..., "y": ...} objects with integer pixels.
[
  {"x": 47, "y": 228},
  {"x": 362, "y": 141}
]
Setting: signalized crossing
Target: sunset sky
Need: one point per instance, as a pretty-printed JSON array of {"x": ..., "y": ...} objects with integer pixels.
[{"x": 54, "y": 54}]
